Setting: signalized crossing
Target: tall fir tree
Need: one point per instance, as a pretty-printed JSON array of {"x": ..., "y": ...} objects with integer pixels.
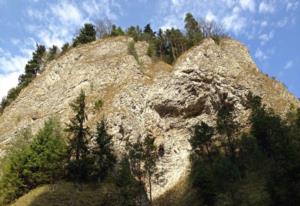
[
  {"x": 103, "y": 155},
  {"x": 136, "y": 156},
  {"x": 193, "y": 29},
  {"x": 78, "y": 146},
  {"x": 126, "y": 183}
]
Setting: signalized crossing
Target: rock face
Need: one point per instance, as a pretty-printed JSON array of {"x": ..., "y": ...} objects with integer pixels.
[{"x": 142, "y": 97}]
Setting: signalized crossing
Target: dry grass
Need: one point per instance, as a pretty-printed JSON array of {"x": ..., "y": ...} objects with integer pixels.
[
  {"x": 156, "y": 69},
  {"x": 181, "y": 194},
  {"x": 63, "y": 193}
]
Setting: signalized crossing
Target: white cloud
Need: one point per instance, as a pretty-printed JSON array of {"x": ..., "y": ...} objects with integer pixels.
[
  {"x": 10, "y": 69},
  {"x": 289, "y": 64},
  {"x": 15, "y": 41},
  {"x": 210, "y": 17},
  {"x": 264, "y": 24},
  {"x": 10, "y": 63},
  {"x": 101, "y": 10},
  {"x": 177, "y": 4},
  {"x": 229, "y": 3},
  {"x": 264, "y": 38},
  {"x": 67, "y": 13},
  {"x": 234, "y": 23},
  {"x": 35, "y": 14},
  {"x": 259, "y": 54},
  {"x": 283, "y": 22},
  {"x": 248, "y": 5},
  {"x": 11, "y": 66},
  {"x": 265, "y": 7},
  {"x": 292, "y": 5},
  {"x": 7, "y": 81},
  {"x": 171, "y": 21}
]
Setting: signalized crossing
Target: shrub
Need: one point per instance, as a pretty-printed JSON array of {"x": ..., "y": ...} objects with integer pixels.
[
  {"x": 65, "y": 48},
  {"x": 33, "y": 162},
  {"x": 98, "y": 105},
  {"x": 132, "y": 51}
]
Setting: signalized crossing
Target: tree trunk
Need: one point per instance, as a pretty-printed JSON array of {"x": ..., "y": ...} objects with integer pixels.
[{"x": 150, "y": 188}]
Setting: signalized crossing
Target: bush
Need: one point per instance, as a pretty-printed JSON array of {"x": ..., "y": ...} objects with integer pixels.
[
  {"x": 98, "y": 105},
  {"x": 132, "y": 51},
  {"x": 65, "y": 48},
  {"x": 35, "y": 162}
]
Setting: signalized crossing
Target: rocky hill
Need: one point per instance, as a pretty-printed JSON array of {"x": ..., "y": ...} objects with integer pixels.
[{"x": 141, "y": 96}]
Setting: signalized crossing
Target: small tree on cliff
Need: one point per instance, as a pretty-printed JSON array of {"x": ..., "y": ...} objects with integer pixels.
[
  {"x": 150, "y": 157},
  {"x": 78, "y": 149},
  {"x": 193, "y": 30},
  {"x": 87, "y": 34},
  {"x": 143, "y": 156}
]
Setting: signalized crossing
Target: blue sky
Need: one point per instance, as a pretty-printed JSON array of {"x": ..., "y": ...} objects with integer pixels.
[{"x": 269, "y": 28}]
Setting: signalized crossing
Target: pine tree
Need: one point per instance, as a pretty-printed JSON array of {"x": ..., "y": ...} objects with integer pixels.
[
  {"x": 148, "y": 34},
  {"x": 33, "y": 66},
  {"x": 78, "y": 148},
  {"x": 52, "y": 52},
  {"x": 116, "y": 31},
  {"x": 104, "y": 158},
  {"x": 64, "y": 48},
  {"x": 193, "y": 29},
  {"x": 126, "y": 183},
  {"x": 87, "y": 34},
  {"x": 33, "y": 161},
  {"x": 202, "y": 139},
  {"x": 227, "y": 126},
  {"x": 136, "y": 156}
]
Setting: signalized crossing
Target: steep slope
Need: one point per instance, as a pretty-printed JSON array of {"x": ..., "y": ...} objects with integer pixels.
[{"x": 142, "y": 97}]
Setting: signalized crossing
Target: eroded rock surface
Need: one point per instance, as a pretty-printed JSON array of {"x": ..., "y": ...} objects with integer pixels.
[{"x": 145, "y": 97}]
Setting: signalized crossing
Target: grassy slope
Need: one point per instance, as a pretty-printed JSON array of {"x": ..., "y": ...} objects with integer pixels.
[{"x": 63, "y": 193}]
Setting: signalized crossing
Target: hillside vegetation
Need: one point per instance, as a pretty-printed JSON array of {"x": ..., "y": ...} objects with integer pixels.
[{"x": 113, "y": 123}]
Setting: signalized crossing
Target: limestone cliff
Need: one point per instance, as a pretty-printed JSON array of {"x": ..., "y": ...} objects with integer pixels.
[{"x": 143, "y": 97}]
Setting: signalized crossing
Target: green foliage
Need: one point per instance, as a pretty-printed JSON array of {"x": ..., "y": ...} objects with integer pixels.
[
  {"x": 202, "y": 138},
  {"x": 193, "y": 30},
  {"x": 52, "y": 52},
  {"x": 102, "y": 154},
  {"x": 230, "y": 174},
  {"x": 150, "y": 158},
  {"x": 135, "y": 33},
  {"x": 127, "y": 185},
  {"x": 168, "y": 45},
  {"x": 132, "y": 51},
  {"x": 143, "y": 157},
  {"x": 65, "y": 48},
  {"x": 148, "y": 33},
  {"x": 151, "y": 52},
  {"x": 116, "y": 31},
  {"x": 98, "y": 105},
  {"x": 33, "y": 66},
  {"x": 31, "y": 70},
  {"x": 33, "y": 163},
  {"x": 136, "y": 157},
  {"x": 87, "y": 34},
  {"x": 78, "y": 164}
]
